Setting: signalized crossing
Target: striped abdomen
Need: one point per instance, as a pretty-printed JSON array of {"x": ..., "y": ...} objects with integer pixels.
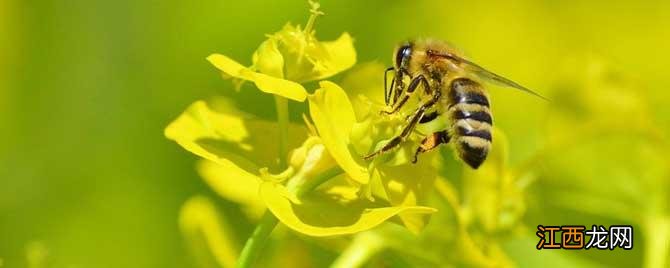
[{"x": 471, "y": 121}]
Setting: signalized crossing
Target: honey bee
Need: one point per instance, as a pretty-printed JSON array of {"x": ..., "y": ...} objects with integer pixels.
[{"x": 452, "y": 84}]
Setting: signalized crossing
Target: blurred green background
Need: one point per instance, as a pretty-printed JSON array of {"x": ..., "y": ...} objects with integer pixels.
[{"x": 86, "y": 87}]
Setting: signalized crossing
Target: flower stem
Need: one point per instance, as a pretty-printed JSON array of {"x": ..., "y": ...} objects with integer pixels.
[
  {"x": 312, "y": 183},
  {"x": 255, "y": 243}
]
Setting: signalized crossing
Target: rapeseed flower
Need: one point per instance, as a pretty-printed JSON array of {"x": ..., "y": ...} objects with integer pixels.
[
  {"x": 322, "y": 187},
  {"x": 292, "y": 56}
]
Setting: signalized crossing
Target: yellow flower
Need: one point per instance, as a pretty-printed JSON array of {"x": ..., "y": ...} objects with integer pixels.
[
  {"x": 238, "y": 153},
  {"x": 236, "y": 150},
  {"x": 234, "y": 146},
  {"x": 322, "y": 187},
  {"x": 471, "y": 223},
  {"x": 289, "y": 57},
  {"x": 334, "y": 119},
  {"x": 397, "y": 182}
]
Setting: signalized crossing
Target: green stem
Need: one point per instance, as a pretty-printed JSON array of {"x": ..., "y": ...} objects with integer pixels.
[
  {"x": 312, "y": 183},
  {"x": 255, "y": 243},
  {"x": 281, "y": 105}
]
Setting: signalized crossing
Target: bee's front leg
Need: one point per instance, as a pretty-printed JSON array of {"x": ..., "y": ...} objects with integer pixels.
[
  {"x": 413, "y": 85},
  {"x": 418, "y": 114}
]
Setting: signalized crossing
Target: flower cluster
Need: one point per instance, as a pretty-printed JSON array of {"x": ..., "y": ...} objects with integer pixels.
[
  {"x": 327, "y": 188},
  {"x": 322, "y": 186}
]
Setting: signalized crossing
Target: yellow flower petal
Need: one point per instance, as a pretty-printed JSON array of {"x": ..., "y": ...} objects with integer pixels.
[
  {"x": 268, "y": 60},
  {"x": 409, "y": 185},
  {"x": 199, "y": 128},
  {"x": 200, "y": 222},
  {"x": 228, "y": 66},
  {"x": 229, "y": 137},
  {"x": 339, "y": 56},
  {"x": 334, "y": 118},
  {"x": 337, "y": 212},
  {"x": 308, "y": 59},
  {"x": 264, "y": 82},
  {"x": 277, "y": 86},
  {"x": 235, "y": 184},
  {"x": 365, "y": 88},
  {"x": 311, "y": 159}
]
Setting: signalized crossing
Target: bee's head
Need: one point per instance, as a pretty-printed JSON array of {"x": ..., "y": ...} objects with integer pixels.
[{"x": 402, "y": 56}]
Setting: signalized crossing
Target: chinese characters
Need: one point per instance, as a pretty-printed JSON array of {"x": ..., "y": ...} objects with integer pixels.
[{"x": 574, "y": 237}]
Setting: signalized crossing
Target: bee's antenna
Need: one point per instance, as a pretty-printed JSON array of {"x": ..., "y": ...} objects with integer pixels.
[{"x": 387, "y": 94}]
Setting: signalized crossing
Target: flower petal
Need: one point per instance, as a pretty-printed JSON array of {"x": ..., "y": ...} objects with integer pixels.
[
  {"x": 337, "y": 212},
  {"x": 264, "y": 82},
  {"x": 268, "y": 60},
  {"x": 339, "y": 56},
  {"x": 200, "y": 222},
  {"x": 227, "y": 65},
  {"x": 334, "y": 119},
  {"x": 409, "y": 185},
  {"x": 219, "y": 133},
  {"x": 277, "y": 86},
  {"x": 365, "y": 88},
  {"x": 235, "y": 184}
]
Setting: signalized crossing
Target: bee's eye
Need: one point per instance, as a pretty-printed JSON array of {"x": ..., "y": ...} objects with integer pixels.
[{"x": 403, "y": 54}]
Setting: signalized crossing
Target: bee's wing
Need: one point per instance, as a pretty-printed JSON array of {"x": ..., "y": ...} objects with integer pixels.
[{"x": 480, "y": 72}]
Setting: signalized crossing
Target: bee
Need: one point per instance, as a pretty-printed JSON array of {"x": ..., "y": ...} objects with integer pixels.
[{"x": 451, "y": 82}]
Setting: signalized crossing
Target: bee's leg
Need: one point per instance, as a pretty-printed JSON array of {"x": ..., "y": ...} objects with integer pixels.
[
  {"x": 430, "y": 142},
  {"x": 416, "y": 81},
  {"x": 400, "y": 85},
  {"x": 429, "y": 117},
  {"x": 387, "y": 91},
  {"x": 405, "y": 131}
]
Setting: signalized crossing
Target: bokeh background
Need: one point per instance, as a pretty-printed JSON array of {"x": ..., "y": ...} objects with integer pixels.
[{"x": 87, "y": 178}]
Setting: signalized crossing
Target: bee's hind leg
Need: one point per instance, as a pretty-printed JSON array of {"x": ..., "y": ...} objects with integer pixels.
[
  {"x": 413, "y": 85},
  {"x": 431, "y": 142}
]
